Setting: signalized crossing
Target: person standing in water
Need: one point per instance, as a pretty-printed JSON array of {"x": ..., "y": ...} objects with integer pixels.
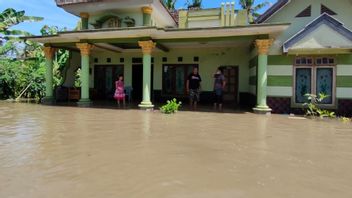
[
  {"x": 219, "y": 86},
  {"x": 193, "y": 88},
  {"x": 120, "y": 91}
]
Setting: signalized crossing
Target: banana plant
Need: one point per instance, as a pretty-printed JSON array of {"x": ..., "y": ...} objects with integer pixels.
[
  {"x": 253, "y": 8},
  {"x": 9, "y": 37}
]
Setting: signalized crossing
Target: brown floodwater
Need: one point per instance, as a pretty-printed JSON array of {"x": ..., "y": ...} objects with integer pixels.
[{"x": 68, "y": 152}]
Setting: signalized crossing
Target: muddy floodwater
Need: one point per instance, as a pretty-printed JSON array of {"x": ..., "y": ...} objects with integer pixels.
[{"x": 70, "y": 152}]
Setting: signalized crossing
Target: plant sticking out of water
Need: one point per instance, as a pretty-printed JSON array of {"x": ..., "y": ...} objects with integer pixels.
[
  {"x": 313, "y": 109},
  {"x": 171, "y": 106},
  {"x": 346, "y": 120}
]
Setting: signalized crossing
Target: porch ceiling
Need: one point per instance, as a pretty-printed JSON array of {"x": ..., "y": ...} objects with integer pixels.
[{"x": 127, "y": 38}]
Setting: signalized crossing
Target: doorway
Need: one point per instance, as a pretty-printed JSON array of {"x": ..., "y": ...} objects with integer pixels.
[
  {"x": 231, "y": 89},
  {"x": 137, "y": 82},
  {"x": 104, "y": 80}
]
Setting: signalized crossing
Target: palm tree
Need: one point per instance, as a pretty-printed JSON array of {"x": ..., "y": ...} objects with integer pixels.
[
  {"x": 170, "y": 4},
  {"x": 252, "y": 9}
]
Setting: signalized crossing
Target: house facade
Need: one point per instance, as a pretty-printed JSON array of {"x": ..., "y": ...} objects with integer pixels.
[{"x": 294, "y": 48}]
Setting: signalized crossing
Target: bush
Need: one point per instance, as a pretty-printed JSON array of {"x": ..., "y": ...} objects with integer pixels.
[
  {"x": 313, "y": 106},
  {"x": 171, "y": 106}
]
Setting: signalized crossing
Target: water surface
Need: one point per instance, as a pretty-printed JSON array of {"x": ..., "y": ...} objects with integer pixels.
[{"x": 68, "y": 152}]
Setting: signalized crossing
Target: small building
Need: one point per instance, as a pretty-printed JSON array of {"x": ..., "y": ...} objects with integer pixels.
[{"x": 294, "y": 48}]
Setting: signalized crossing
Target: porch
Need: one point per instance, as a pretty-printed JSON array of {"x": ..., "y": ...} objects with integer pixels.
[{"x": 156, "y": 64}]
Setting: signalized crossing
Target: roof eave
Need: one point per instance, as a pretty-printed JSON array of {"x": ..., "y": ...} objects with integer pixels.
[{"x": 163, "y": 33}]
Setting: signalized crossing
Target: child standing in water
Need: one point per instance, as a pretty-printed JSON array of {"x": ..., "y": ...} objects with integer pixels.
[{"x": 120, "y": 90}]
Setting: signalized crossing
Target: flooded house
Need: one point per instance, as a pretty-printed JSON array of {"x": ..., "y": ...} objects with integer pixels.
[{"x": 293, "y": 48}]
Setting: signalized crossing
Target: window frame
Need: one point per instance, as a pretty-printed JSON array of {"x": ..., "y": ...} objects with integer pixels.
[{"x": 314, "y": 68}]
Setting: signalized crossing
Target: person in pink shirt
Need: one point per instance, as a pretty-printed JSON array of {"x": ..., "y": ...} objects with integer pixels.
[{"x": 120, "y": 91}]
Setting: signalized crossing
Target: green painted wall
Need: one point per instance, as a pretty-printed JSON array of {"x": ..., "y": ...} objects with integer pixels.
[
  {"x": 280, "y": 81},
  {"x": 209, "y": 61},
  {"x": 137, "y": 16},
  {"x": 252, "y": 81},
  {"x": 280, "y": 60},
  {"x": 344, "y": 81},
  {"x": 287, "y": 14}
]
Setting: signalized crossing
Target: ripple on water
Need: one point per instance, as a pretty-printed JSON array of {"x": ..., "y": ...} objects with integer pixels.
[{"x": 68, "y": 152}]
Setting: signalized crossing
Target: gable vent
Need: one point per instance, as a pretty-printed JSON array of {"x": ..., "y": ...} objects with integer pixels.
[
  {"x": 306, "y": 12},
  {"x": 326, "y": 10}
]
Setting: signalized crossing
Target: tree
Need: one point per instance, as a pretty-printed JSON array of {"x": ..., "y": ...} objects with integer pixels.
[
  {"x": 26, "y": 69},
  {"x": 170, "y": 4},
  {"x": 252, "y": 9},
  {"x": 194, "y": 4}
]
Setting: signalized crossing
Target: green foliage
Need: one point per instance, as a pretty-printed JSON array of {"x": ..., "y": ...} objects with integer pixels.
[
  {"x": 252, "y": 8},
  {"x": 77, "y": 83},
  {"x": 171, "y": 106},
  {"x": 16, "y": 75},
  {"x": 11, "y": 17},
  {"x": 313, "y": 108},
  {"x": 169, "y": 4},
  {"x": 344, "y": 119},
  {"x": 194, "y": 4},
  {"x": 9, "y": 40},
  {"x": 22, "y": 63}
]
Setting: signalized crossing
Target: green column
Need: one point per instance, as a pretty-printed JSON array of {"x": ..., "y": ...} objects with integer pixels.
[
  {"x": 85, "y": 49},
  {"x": 262, "y": 81},
  {"x": 49, "y": 91},
  {"x": 263, "y": 48},
  {"x": 84, "y": 20},
  {"x": 85, "y": 79},
  {"x": 147, "y": 47},
  {"x": 147, "y": 16}
]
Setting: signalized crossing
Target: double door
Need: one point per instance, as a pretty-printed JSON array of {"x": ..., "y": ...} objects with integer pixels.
[{"x": 104, "y": 80}]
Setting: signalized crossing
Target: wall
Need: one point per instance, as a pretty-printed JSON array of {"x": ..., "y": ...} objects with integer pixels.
[
  {"x": 344, "y": 77},
  {"x": 280, "y": 76},
  {"x": 74, "y": 64},
  {"x": 288, "y": 13},
  {"x": 281, "y": 82},
  {"x": 136, "y": 15},
  {"x": 209, "y": 60}
]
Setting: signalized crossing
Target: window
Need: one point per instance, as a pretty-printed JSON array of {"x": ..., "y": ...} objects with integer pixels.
[
  {"x": 314, "y": 75},
  {"x": 175, "y": 78},
  {"x": 324, "y": 9},
  {"x": 306, "y": 12}
]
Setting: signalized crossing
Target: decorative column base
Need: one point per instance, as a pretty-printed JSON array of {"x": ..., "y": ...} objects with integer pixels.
[
  {"x": 146, "y": 105},
  {"x": 262, "y": 110},
  {"x": 84, "y": 102},
  {"x": 48, "y": 100}
]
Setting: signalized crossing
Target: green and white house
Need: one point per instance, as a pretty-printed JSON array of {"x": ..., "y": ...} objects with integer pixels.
[{"x": 294, "y": 48}]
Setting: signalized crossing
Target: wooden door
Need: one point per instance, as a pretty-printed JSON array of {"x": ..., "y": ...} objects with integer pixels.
[{"x": 231, "y": 89}]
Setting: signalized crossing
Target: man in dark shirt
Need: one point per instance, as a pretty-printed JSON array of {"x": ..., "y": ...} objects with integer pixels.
[{"x": 193, "y": 88}]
